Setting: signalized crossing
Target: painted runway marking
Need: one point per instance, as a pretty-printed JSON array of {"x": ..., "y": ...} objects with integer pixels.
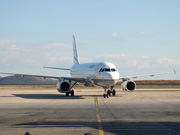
[
  {"x": 78, "y": 90},
  {"x": 101, "y": 132}
]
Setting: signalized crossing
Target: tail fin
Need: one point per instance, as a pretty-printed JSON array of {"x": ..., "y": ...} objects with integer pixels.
[{"x": 76, "y": 59}]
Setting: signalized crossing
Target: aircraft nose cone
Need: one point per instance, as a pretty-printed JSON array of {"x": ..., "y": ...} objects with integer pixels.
[
  {"x": 112, "y": 76},
  {"x": 110, "y": 79},
  {"x": 109, "y": 76}
]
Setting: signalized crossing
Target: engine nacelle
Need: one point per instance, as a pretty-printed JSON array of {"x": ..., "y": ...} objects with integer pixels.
[
  {"x": 128, "y": 85},
  {"x": 63, "y": 86}
]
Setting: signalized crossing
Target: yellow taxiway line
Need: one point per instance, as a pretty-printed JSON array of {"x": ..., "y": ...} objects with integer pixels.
[{"x": 101, "y": 132}]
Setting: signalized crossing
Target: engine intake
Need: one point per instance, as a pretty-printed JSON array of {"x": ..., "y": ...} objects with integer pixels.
[
  {"x": 63, "y": 86},
  {"x": 128, "y": 85}
]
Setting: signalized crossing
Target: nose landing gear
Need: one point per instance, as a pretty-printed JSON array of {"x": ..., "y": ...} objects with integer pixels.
[
  {"x": 109, "y": 92},
  {"x": 106, "y": 95}
]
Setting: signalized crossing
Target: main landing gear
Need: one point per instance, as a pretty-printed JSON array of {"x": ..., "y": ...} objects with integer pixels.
[
  {"x": 109, "y": 92},
  {"x": 71, "y": 91}
]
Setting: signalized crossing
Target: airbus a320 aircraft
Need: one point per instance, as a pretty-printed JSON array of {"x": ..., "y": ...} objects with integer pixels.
[{"x": 103, "y": 74}]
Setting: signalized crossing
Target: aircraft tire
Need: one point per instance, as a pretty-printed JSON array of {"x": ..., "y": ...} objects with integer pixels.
[
  {"x": 114, "y": 92},
  {"x": 108, "y": 92},
  {"x": 72, "y": 92},
  {"x": 106, "y": 96},
  {"x": 67, "y": 93}
]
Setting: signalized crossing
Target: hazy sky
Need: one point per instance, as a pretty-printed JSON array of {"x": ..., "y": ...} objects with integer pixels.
[{"x": 138, "y": 36}]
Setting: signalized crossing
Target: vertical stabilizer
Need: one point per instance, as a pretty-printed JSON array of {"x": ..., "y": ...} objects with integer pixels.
[{"x": 76, "y": 59}]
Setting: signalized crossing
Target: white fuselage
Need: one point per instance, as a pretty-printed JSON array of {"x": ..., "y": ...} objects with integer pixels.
[{"x": 102, "y": 74}]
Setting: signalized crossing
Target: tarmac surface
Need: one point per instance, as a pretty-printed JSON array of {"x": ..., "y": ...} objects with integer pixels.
[{"x": 47, "y": 112}]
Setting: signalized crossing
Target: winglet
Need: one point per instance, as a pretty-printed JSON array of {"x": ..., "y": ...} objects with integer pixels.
[
  {"x": 76, "y": 59},
  {"x": 174, "y": 71}
]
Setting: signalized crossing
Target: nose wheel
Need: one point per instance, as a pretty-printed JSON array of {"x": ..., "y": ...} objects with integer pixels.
[
  {"x": 106, "y": 96},
  {"x": 109, "y": 92},
  {"x": 114, "y": 92}
]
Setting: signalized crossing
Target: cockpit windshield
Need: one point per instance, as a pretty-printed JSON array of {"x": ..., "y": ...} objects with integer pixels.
[
  {"x": 107, "y": 70},
  {"x": 113, "y": 69}
]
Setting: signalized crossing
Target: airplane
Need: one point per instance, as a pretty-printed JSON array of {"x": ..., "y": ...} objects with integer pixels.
[{"x": 103, "y": 74}]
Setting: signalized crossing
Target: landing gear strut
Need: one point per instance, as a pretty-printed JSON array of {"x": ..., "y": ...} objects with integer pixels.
[
  {"x": 109, "y": 92},
  {"x": 106, "y": 95},
  {"x": 71, "y": 91}
]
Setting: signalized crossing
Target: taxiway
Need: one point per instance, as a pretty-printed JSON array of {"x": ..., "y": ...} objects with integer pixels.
[{"x": 47, "y": 112}]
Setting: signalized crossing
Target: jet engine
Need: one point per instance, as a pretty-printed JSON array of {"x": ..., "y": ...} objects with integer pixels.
[
  {"x": 128, "y": 85},
  {"x": 63, "y": 86}
]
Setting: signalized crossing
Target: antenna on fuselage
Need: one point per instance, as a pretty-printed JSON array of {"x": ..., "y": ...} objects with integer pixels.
[{"x": 76, "y": 59}]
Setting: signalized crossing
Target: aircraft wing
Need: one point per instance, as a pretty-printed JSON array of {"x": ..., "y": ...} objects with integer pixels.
[
  {"x": 76, "y": 79},
  {"x": 53, "y": 77},
  {"x": 151, "y": 75},
  {"x": 58, "y": 68}
]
